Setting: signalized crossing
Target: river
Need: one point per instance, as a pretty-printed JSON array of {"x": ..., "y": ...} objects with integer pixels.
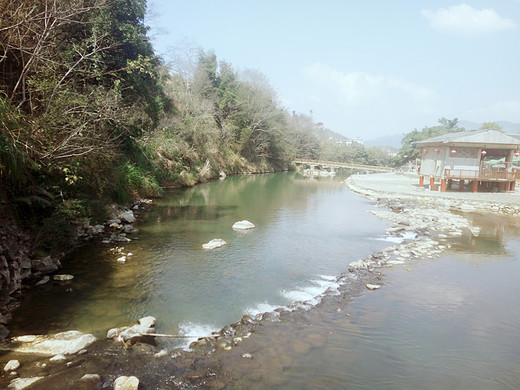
[{"x": 452, "y": 322}]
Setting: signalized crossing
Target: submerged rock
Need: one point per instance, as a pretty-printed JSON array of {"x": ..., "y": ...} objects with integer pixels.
[
  {"x": 215, "y": 243},
  {"x": 129, "y": 229},
  {"x": 44, "y": 266},
  {"x": 89, "y": 382},
  {"x": 58, "y": 358},
  {"x": 43, "y": 281},
  {"x": 243, "y": 225}
]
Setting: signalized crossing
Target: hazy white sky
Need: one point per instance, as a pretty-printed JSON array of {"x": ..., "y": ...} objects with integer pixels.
[{"x": 365, "y": 68}]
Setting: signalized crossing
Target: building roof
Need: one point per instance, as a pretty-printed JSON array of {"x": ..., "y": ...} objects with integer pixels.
[{"x": 474, "y": 138}]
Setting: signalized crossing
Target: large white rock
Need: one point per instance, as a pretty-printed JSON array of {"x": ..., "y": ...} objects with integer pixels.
[
  {"x": 126, "y": 383},
  {"x": 127, "y": 216},
  {"x": 215, "y": 243},
  {"x": 148, "y": 321},
  {"x": 125, "y": 333},
  {"x": 243, "y": 225},
  {"x": 65, "y": 343},
  {"x": 12, "y": 365}
]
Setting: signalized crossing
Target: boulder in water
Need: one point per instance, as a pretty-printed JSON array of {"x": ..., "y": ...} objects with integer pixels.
[
  {"x": 137, "y": 332},
  {"x": 12, "y": 365},
  {"x": 127, "y": 216},
  {"x": 215, "y": 243},
  {"x": 65, "y": 343},
  {"x": 22, "y": 383},
  {"x": 126, "y": 383},
  {"x": 243, "y": 225},
  {"x": 63, "y": 277}
]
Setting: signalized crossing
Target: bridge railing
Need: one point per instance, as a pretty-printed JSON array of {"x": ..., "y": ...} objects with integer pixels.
[{"x": 343, "y": 164}]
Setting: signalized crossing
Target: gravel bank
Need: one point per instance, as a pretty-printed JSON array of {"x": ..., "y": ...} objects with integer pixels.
[{"x": 424, "y": 222}]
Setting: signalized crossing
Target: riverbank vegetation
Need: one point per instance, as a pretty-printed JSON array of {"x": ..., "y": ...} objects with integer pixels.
[
  {"x": 409, "y": 153},
  {"x": 90, "y": 115}
]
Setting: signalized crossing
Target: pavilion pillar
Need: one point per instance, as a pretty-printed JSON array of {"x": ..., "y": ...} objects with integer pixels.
[
  {"x": 443, "y": 184},
  {"x": 450, "y": 183},
  {"x": 475, "y": 185},
  {"x": 512, "y": 186},
  {"x": 432, "y": 183},
  {"x": 421, "y": 181},
  {"x": 461, "y": 185}
]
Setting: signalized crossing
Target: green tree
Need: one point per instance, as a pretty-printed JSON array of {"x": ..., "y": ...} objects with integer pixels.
[
  {"x": 409, "y": 152},
  {"x": 490, "y": 126}
]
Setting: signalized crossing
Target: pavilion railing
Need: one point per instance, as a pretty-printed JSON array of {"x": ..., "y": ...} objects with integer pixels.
[{"x": 487, "y": 171}]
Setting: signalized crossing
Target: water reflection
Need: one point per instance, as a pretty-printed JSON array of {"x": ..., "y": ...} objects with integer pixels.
[
  {"x": 446, "y": 324},
  {"x": 436, "y": 324},
  {"x": 307, "y": 231}
]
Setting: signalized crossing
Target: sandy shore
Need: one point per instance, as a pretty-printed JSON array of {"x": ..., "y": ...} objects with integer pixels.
[{"x": 406, "y": 186}]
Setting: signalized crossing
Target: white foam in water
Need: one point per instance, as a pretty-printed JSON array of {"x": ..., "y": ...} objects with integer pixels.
[
  {"x": 297, "y": 295},
  {"x": 195, "y": 330},
  {"x": 311, "y": 294},
  {"x": 328, "y": 277},
  {"x": 261, "y": 308},
  {"x": 398, "y": 240}
]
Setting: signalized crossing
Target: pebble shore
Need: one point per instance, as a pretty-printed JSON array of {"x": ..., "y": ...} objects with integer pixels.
[{"x": 423, "y": 221}]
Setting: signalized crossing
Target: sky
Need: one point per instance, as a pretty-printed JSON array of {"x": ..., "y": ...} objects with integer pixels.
[{"x": 364, "y": 68}]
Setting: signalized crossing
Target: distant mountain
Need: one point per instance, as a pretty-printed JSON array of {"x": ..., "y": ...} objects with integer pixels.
[
  {"x": 507, "y": 127},
  {"x": 326, "y": 134},
  {"x": 393, "y": 141}
]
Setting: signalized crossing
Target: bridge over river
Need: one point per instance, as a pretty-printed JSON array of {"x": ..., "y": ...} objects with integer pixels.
[{"x": 331, "y": 166}]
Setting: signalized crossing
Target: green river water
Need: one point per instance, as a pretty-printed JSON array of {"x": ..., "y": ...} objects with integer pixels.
[{"x": 448, "y": 323}]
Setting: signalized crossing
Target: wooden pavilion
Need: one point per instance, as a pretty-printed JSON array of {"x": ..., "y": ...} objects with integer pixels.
[{"x": 482, "y": 157}]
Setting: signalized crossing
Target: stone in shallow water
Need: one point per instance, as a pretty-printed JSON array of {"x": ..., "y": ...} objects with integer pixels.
[
  {"x": 58, "y": 358},
  {"x": 126, "y": 383},
  {"x": 22, "y": 383},
  {"x": 373, "y": 286},
  {"x": 12, "y": 365},
  {"x": 65, "y": 343},
  {"x": 148, "y": 322},
  {"x": 89, "y": 382},
  {"x": 63, "y": 277},
  {"x": 215, "y": 243},
  {"x": 140, "y": 330},
  {"x": 243, "y": 225},
  {"x": 127, "y": 216}
]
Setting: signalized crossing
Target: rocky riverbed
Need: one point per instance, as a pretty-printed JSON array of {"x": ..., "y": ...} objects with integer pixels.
[{"x": 423, "y": 224}]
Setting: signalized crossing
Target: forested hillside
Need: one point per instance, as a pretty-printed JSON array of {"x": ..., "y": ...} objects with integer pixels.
[{"x": 89, "y": 115}]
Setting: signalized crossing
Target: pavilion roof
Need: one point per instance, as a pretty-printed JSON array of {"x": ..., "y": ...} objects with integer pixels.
[{"x": 474, "y": 138}]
